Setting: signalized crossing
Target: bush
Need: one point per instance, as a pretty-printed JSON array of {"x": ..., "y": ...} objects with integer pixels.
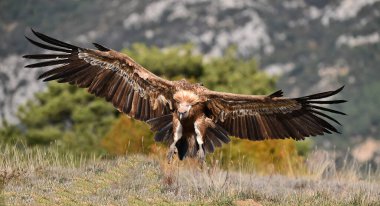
[
  {"x": 270, "y": 156},
  {"x": 128, "y": 136}
]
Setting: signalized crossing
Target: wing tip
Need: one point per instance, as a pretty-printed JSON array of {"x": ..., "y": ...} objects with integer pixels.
[
  {"x": 100, "y": 47},
  {"x": 33, "y": 31},
  {"x": 278, "y": 93},
  {"x": 29, "y": 39},
  {"x": 52, "y": 41},
  {"x": 337, "y": 90}
]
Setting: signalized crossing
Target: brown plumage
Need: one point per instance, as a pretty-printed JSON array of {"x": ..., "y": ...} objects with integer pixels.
[{"x": 189, "y": 117}]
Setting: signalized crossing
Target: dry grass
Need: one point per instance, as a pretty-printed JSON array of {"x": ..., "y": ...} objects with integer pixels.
[{"x": 47, "y": 177}]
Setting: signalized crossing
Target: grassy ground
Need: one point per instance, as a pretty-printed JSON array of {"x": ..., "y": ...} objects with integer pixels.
[{"x": 47, "y": 177}]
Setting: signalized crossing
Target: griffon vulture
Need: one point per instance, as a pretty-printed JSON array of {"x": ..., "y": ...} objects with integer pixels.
[{"x": 188, "y": 117}]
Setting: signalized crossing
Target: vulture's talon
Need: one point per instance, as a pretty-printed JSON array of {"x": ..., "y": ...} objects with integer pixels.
[
  {"x": 201, "y": 156},
  {"x": 171, "y": 152}
]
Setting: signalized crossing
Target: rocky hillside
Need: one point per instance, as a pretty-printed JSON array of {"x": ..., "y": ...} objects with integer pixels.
[{"x": 313, "y": 44}]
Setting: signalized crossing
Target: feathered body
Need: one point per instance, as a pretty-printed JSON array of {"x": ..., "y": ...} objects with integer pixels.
[
  {"x": 194, "y": 120},
  {"x": 190, "y": 118}
]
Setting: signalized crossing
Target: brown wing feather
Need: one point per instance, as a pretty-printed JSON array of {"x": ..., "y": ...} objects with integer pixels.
[
  {"x": 106, "y": 73},
  {"x": 272, "y": 116}
]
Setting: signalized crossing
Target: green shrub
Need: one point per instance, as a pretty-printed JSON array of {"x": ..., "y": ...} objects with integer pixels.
[
  {"x": 128, "y": 136},
  {"x": 270, "y": 156}
]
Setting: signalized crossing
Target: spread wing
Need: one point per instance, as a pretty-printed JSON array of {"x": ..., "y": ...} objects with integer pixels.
[
  {"x": 272, "y": 117},
  {"x": 106, "y": 73}
]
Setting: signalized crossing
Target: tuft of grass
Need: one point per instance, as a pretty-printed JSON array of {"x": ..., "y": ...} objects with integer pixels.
[{"x": 27, "y": 158}]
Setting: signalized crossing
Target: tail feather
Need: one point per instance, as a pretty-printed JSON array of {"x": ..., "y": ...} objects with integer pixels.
[
  {"x": 182, "y": 147},
  {"x": 187, "y": 147}
]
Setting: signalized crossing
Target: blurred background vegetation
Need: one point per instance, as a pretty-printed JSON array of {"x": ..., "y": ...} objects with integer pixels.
[{"x": 73, "y": 120}]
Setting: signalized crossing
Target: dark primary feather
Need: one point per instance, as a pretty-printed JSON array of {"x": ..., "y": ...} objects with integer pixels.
[
  {"x": 48, "y": 63},
  {"x": 100, "y": 47},
  {"x": 327, "y": 102},
  {"x": 46, "y": 56},
  {"x": 322, "y": 94},
  {"x": 44, "y": 46},
  {"x": 53, "y": 41},
  {"x": 278, "y": 93},
  {"x": 327, "y": 109}
]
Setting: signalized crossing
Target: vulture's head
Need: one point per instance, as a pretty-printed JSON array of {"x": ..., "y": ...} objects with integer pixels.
[{"x": 185, "y": 101}]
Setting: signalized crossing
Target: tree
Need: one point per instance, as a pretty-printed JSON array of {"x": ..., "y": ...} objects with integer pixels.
[{"x": 66, "y": 116}]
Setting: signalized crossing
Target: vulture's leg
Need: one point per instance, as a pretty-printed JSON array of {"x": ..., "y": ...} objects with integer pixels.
[
  {"x": 200, "y": 132},
  {"x": 177, "y": 134}
]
